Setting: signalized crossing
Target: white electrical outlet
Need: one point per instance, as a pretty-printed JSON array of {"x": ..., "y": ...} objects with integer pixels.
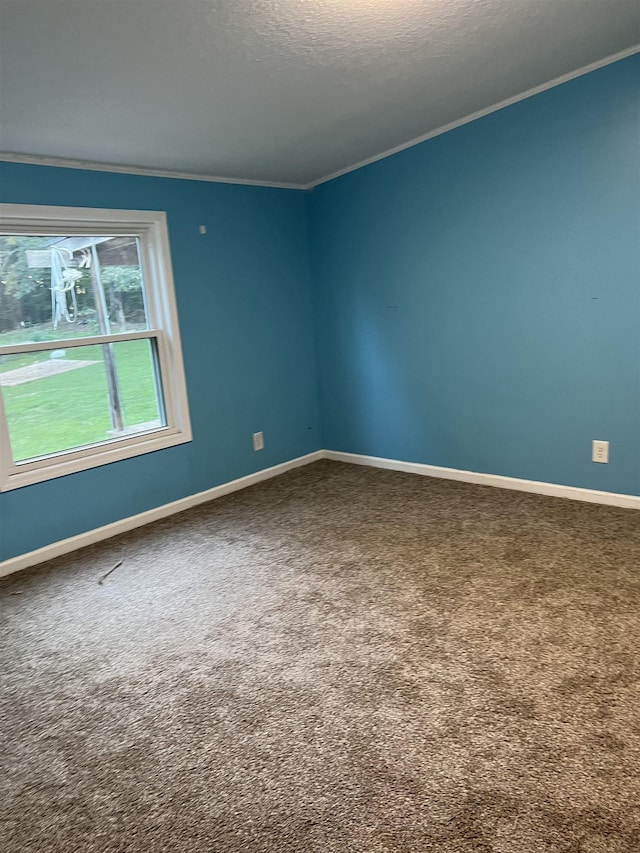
[
  {"x": 258, "y": 441},
  {"x": 600, "y": 451},
  {"x": 203, "y": 229}
]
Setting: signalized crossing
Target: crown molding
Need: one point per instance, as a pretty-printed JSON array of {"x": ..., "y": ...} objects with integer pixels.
[
  {"x": 445, "y": 128},
  {"x": 43, "y": 160},
  {"x": 116, "y": 168}
]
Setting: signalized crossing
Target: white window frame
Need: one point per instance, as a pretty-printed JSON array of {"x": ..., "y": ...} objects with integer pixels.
[{"x": 150, "y": 227}]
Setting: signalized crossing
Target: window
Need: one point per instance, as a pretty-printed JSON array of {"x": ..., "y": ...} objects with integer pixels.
[{"x": 90, "y": 358}]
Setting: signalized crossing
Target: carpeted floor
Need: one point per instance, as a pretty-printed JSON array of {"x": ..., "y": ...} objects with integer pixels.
[{"x": 341, "y": 660}]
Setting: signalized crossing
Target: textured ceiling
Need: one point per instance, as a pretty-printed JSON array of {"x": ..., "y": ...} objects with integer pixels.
[{"x": 276, "y": 90}]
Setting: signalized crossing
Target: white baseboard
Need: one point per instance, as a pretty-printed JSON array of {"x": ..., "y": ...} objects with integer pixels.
[
  {"x": 533, "y": 486},
  {"x": 65, "y": 546}
]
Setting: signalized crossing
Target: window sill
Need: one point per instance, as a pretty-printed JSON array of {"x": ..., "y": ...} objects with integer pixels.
[{"x": 59, "y": 465}]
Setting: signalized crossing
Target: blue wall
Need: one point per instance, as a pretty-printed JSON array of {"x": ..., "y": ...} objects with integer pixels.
[
  {"x": 477, "y": 297},
  {"x": 244, "y": 304},
  {"x": 476, "y": 305}
]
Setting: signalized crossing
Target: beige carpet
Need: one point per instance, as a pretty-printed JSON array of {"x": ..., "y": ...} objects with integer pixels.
[{"x": 341, "y": 660}]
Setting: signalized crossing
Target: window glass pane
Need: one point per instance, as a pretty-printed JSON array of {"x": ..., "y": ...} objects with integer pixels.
[
  {"x": 64, "y": 399},
  {"x": 138, "y": 380},
  {"x": 66, "y": 287}
]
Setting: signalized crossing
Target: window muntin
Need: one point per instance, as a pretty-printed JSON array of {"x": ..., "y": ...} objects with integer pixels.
[{"x": 90, "y": 358}]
